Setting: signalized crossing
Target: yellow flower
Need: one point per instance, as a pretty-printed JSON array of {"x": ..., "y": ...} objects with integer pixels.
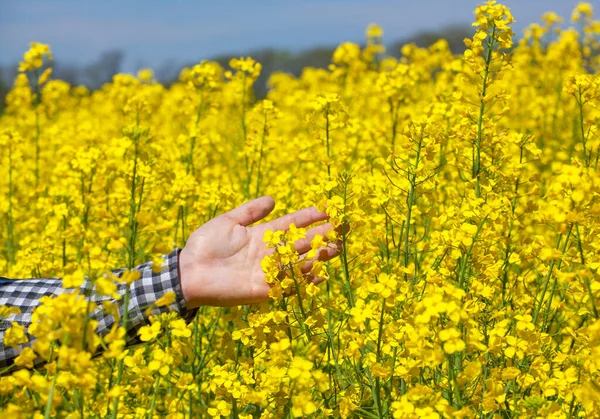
[
  {"x": 6, "y": 311},
  {"x": 582, "y": 9},
  {"x": 515, "y": 347},
  {"x": 464, "y": 188},
  {"x": 222, "y": 408},
  {"x": 165, "y": 300},
  {"x": 294, "y": 234},
  {"x": 25, "y": 358},
  {"x": 179, "y": 328},
  {"x": 34, "y": 57},
  {"x": 148, "y": 333},
  {"x": 15, "y": 335},
  {"x": 116, "y": 392},
  {"x": 452, "y": 340},
  {"x": 105, "y": 286},
  {"x": 273, "y": 238},
  {"x": 129, "y": 277},
  {"x": 73, "y": 280},
  {"x": 374, "y": 31}
]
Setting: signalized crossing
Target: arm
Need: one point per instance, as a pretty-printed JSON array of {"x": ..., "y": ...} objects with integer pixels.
[
  {"x": 220, "y": 265},
  {"x": 26, "y": 293}
]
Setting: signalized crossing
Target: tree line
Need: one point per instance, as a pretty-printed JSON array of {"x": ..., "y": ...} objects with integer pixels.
[{"x": 110, "y": 62}]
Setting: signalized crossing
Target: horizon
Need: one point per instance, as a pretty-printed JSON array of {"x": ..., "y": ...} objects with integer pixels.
[{"x": 180, "y": 32}]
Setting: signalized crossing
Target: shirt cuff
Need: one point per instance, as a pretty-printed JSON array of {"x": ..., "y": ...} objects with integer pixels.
[{"x": 153, "y": 286}]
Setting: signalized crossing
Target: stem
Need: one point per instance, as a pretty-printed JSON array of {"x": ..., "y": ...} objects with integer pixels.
[
  {"x": 153, "y": 402},
  {"x": 344, "y": 254},
  {"x": 51, "y": 393},
  {"x": 260, "y": 157},
  {"x": 477, "y": 162},
  {"x": 536, "y": 313},
  {"x": 394, "y": 114},
  {"x": 586, "y": 280},
  {"x": 37, "y": 129},
  {"x": 115, "y": 405},
  {"x": 133, "y": 211},
  {"x": 190, "y": 165},
  {"x": 249, "y": 168},
  {"x": 410, "y": 200},
  {"x": 379, "y": 338},
  {"x": 11, "y": 239},
  {"x": 461, "y": 281},
  {"x": 297, "y": 287},
  {"x": 64, "y": 243},
  {"x": 513, "y": 206},
  {"x": 327, "y": 142},
  {"x": 375, "y": 392},
  {"x": 132, "y": 207},
  {"x": 583, "y": 139}
]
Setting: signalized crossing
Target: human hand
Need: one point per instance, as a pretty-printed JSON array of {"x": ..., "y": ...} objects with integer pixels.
[{"x": 220, "y": 263}]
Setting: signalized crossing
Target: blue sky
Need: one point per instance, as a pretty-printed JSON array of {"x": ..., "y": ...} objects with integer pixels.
[{"x": 151, "y": 32}]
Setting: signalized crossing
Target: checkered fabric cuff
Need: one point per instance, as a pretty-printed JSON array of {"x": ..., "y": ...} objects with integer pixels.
[{"x": 26, "y": 293}]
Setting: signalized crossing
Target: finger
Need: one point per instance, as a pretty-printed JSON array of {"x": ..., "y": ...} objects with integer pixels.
[
  {"x": 314, "y": 279},
  {"x": 309, "y": 278},
  {"x": 325, "y": 254},
  {"x": 343, "y": 228},
  {"x": 290, "y": 292},
  {"x": 303, "y": 245},
  {"x": 252, "y": 211},
  {"x": 301, "y": 218}
]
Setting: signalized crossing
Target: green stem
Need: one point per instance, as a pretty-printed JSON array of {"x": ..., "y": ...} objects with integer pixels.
[
  {"x": 379, "y": 339},
  {"x": 299, "y": 296},
  {"x": 115, "y": 405},
  {"x": 344, "y": 254},
  {"x": 51, "y": 393},
  {"x": 260, "y": 157},
  {"x": 585, "y": 278},
  {"x": 536, "y": 312},
  {"x": 153, "y": 402},
  {"x": 327, "y": 142},
  {"x": 132, "y": 206},
  {"x": 394, "y": 115},
  {"x": 583, "y": 139},
  {"x": 477, "y": 162},
  {"x": 410, "y": 202},
  {"x": 11, "y": 239},
  {"x": 37, "y": 130}
]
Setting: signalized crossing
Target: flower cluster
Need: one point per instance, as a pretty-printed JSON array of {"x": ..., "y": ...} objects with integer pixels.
[{"x": 465, "y": 195}]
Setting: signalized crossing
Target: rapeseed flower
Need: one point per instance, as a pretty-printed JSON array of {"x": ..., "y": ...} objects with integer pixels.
[{"x": 463, "y": 189}]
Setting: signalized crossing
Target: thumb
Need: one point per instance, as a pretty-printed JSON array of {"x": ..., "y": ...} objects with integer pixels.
[{"x": 252, "y": 211}]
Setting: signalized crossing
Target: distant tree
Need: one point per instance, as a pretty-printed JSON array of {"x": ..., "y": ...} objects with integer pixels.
[
  {"x": 103, "y": 69},
  {"x": 274, "y": 60},
  {"x": 3, "y": 92},
  {"x": 7, "y": 75},
  {"x": 68, "y": 73},
  {"x": 167, "y": 72},
  {"x": 110, "y": 62},
  {"x": 454, "y": 35}
]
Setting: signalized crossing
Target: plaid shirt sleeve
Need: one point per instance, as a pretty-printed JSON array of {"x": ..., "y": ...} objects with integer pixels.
[{"x": 25, "y": 294}]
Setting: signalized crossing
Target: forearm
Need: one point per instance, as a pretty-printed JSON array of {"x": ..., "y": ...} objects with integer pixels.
[{"x": 143, "y": 293}]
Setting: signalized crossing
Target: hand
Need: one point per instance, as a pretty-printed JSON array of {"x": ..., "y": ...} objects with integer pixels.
[{"x": 220, "y": 263}]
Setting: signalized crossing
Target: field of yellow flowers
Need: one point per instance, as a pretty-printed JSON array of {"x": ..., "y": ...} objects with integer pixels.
[{"x": 469, "y": 282}]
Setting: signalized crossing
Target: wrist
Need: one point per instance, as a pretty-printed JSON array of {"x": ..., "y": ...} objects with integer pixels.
[{"x": 188, "y": 281}]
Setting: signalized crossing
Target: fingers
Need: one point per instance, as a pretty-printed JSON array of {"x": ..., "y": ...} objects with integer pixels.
[
  {"x": 252, "y": 211},
  {"x": 309, "y": 278},
  {"x": 303, "y": 245},
  {"x": 301, "y": 218},
  {"x": 325, "y": 254},
  {"x": 314, "y": 279}
]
